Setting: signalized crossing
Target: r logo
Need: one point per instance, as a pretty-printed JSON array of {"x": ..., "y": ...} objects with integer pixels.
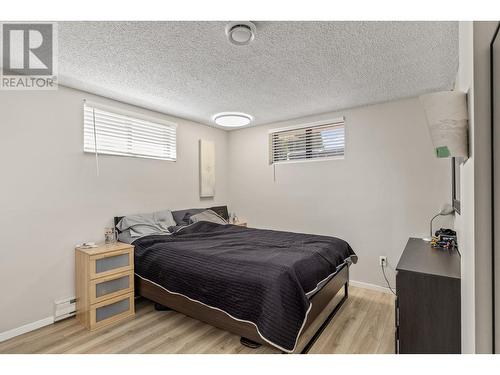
[{"x": 27, "y": 49}]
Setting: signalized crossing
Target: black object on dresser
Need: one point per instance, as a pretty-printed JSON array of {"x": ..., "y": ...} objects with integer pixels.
[{"x": 428, "y": 300}]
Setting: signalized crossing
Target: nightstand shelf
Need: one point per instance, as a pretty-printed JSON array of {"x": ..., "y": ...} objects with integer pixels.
[{"x": 104, "y": 284}]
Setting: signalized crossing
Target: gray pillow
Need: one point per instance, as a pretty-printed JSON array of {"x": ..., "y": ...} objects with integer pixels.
[
  {"x": 125, "y": 237},
  {"x": 145, "y": 224},
  {"x": 208, "y": 215},
  {"x": 181, "y": 217}
]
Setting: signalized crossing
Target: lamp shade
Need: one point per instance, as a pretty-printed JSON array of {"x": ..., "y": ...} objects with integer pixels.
[{"x": 447, "y": 117}]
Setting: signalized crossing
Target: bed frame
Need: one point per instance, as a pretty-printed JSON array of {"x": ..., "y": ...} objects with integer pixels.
[{"x": 248, "y": 332}]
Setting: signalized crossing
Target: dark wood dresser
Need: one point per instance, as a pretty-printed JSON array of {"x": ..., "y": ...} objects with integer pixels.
[{"x": 428, "y": 300}]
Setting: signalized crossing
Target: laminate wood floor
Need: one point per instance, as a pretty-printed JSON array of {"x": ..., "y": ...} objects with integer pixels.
[{"x": 364, "y": 324}]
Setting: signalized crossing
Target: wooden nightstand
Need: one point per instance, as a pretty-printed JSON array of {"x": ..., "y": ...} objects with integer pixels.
[{"x": 104, "y": 284}]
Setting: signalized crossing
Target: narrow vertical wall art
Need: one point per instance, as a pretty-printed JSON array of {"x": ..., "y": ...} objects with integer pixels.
[{"x": 207, "y": 168}]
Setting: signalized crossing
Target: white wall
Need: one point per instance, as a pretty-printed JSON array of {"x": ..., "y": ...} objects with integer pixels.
[
  {"x": 385, "y": 190},
  {"x": 51, "y": 198},
  {"x": 464, "y": 223}
]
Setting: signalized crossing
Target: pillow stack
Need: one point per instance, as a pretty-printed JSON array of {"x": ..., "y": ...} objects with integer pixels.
[{"x": 134, "y": 226}]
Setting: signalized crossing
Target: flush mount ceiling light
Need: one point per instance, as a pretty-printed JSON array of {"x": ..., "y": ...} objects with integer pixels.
[
  {"x": 240, "y": 33},
  {"x": 232, "y": 119}
]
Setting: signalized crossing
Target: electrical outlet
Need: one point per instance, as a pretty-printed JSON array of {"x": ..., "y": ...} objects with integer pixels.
[{"x": 382, "y": 260}]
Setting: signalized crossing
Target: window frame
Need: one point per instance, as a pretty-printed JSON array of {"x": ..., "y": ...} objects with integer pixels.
[
  {"x": 134, "y": 115},
  {"x": 334, "y": 121}
]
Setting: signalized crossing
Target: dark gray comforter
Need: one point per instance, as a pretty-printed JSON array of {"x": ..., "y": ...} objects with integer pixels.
[{"x": 259, "y": 276}]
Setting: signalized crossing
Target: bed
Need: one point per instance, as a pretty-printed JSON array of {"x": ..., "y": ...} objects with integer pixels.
[{"x": 266, "y": 286}]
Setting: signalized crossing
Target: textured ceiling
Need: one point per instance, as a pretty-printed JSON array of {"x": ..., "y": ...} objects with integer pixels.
[{"x": 291, "y": 69}]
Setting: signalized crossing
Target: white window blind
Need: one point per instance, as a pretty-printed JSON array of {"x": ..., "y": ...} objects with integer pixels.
[
  {"x": 121, "y": 134},
  {"x": 306, "y": 143}
]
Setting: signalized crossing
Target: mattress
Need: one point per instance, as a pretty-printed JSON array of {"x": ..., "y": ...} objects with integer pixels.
[{"x": 263, "y": 277}]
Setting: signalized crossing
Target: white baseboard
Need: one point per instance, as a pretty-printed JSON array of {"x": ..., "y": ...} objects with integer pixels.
[
  {"x": 363, "y": 285},
  {"x": 26, "y": 328}
]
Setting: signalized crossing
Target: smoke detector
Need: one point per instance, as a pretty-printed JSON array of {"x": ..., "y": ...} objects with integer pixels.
[{"x": 240, "y": 33}]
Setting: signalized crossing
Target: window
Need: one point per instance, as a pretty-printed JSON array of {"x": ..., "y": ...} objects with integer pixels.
[
  {"x": 316, "y": 141},
  {"x": 118, "y": 133}
]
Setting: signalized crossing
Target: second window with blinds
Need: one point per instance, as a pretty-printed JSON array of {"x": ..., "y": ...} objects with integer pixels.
[
  {"x": 115, "y": 132},
  {"x": 318, "y": 141}
]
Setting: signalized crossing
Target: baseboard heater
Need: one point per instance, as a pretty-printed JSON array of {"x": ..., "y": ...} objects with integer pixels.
[{"x": 65, "y": 308}]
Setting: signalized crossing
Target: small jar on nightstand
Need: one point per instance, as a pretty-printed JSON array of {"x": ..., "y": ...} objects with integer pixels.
[{"x": 104, "y": 284}]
